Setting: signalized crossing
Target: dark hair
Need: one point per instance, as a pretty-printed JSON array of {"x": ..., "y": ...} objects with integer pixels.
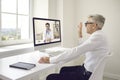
[{"x": 47, "y": 24}]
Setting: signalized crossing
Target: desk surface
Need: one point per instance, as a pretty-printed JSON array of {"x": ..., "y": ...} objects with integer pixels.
[{"x": 9, "y": 73}]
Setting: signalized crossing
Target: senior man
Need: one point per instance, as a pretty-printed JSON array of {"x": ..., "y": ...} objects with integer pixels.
[{"x": 94, "y": 48}]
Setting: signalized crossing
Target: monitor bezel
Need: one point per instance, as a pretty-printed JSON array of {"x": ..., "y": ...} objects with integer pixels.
[{"x": 35, "y": 18}]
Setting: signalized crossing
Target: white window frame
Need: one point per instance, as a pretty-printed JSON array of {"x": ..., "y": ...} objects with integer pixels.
[{"x": 14, "y": 42}]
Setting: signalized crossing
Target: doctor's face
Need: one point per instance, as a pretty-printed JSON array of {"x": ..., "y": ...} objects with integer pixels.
[
  {"x": 47, "y": 27},
  {"x": 90, "y": 26}
]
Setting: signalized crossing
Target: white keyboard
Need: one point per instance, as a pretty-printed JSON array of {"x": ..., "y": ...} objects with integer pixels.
[{"x": 55, "y": 53}]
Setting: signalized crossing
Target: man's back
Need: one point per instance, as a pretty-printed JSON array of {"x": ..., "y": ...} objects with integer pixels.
[{"x": 98, "y": 41}]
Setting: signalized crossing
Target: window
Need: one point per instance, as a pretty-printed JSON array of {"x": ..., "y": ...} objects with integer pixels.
[{"x": 14, "y": 21}]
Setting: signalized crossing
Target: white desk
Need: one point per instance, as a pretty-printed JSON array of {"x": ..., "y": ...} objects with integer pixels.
[{"x": 7, "y": 73}]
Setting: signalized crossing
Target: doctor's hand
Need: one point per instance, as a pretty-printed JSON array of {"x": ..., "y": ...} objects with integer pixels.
[
  {"x": 80, "y": 30},
  {"x": 44, "y": 60}
]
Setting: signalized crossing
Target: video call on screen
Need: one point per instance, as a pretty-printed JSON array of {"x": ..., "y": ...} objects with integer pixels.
[{"x": 46, "y": 31}]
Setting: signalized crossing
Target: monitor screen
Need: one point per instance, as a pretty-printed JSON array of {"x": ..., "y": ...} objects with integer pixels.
[{"x": 46, "y": 31}]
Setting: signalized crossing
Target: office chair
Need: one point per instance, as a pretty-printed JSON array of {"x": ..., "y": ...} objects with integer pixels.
[{"x": 97, "y": 74}]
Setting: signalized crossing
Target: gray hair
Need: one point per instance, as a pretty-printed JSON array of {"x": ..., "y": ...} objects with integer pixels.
[{"x": 98, "y": 19}]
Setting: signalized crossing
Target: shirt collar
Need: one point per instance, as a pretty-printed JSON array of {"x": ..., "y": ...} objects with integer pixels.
[{"x": 96, "y": 32}]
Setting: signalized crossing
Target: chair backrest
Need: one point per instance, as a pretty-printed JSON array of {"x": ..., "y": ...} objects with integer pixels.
[{"x": 97, "y": 74}]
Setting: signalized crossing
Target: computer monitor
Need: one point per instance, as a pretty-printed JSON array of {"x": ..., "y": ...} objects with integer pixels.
[{"x": 46, "y": 33}]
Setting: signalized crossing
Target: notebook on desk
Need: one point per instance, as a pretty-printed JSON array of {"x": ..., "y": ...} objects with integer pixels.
[{"x": 23, "y": 65}]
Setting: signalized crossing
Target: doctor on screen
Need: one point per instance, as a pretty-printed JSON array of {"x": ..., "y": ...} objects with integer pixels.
[{"x": 47, "y": 34}]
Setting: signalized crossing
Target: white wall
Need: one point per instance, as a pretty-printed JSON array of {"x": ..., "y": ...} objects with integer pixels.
[
  {"x": 52, "y": 9},
  {"x": 40, "y": 8},
  {"x": 68, "y": 23}
]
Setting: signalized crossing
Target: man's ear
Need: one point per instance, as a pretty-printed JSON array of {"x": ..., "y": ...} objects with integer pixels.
[{"x": 95, "y": 26}]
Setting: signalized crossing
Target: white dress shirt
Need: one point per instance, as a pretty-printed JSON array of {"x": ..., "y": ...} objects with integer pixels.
[{"x": 94, "y": 48}]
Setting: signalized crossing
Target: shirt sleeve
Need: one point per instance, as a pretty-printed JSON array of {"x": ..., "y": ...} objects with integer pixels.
[
  {"x": 90, "y": 44},
  {"x": 80, "y": 41}
]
